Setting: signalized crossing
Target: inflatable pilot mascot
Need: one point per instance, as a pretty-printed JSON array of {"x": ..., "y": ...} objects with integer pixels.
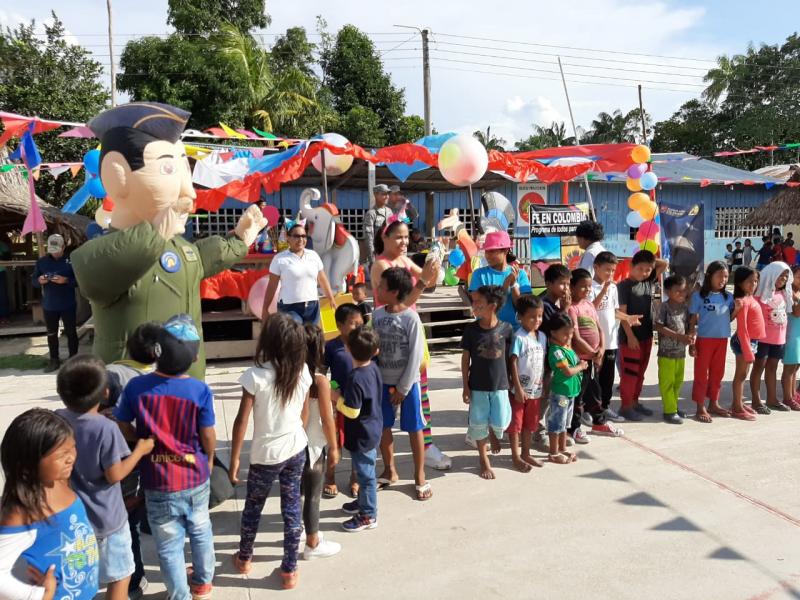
[{"x": 143, "y": 269}]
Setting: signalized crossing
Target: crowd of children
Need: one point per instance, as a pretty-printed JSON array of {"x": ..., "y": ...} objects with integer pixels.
[{"x": 134, "y": 445}]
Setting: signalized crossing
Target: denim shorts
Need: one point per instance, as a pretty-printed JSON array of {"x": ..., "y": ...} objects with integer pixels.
[
  {"x": 302, "y": 312},
  {"x": 411, "y": 417},
  {"x": 736, "y": 346},
  {"x": 116, "y": 556},
  {"x": 560, "y": 413},
  {"x": 488, "y": 409},
  {"x": 775, "y": 351}
]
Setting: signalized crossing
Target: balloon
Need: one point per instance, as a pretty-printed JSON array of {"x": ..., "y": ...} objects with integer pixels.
[
  {"x": 638, "y": 200},
  {"x": 463, "y": 160},
  {"x": 636, "y": 171},
  {"x": 634, "y": 219},
  {"x": 92, "y": 186},
  {"x": 91, "y": 161},
  {"x": 456, "y": 258},
  {"x": 255, "y": 299},
  {"x": 450, "y": 277},
  {"x": 649, "y": 211},
  {"x": 633, "y": 184},
  {"x": 649, "y": 181},
  {"x": 95, "y": 187},
  {"x": 640, "y": 154},
  {"x": 335, "y": 164},
  {"x": 271, "y": 214},
  {"x": 647, "y": 231},
  {"x": 650, "y": 245}
]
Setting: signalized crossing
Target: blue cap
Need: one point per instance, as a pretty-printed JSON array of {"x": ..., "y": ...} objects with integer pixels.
[{"x": 182, "y": 328}]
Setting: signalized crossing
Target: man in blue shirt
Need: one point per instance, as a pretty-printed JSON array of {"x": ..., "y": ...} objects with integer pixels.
[
  {"x": 53, "y": 274},
  {"x": 512, "y": 279}
]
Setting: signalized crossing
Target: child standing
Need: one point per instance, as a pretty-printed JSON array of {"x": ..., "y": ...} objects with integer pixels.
[
  {"x": 775, "y": 299},
  {"x": 103, "y": 461},
  {"x": 636, "y": 341},
  {"x": 556, "y": 297},
  {"x": 712, "y": 309},
  {"x": 672, "y": 325},
  {"x": 791, "y": 358},
  {"x": 564, "y": 388},
  {"x": 178, "y": 412},
  {"x": 361, "y": 302},
  {"x": 339, "y": 363},
  {"x": 744, "y": 343},
  {"x": 275, "y": 390},
  {"x": 401, "y": 350},
  {"x": 485, "y": 346},
  {"x": 363, "y": 427},
  {"x": 41, "y": 519},
  {"x": 526, "y": 369}
]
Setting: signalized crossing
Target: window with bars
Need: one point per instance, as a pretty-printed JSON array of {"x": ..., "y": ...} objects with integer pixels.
[
  {"x": 353, "y": 221},
  {"x": 727, "y": 219},
  {"x": 222, "y": 221}
]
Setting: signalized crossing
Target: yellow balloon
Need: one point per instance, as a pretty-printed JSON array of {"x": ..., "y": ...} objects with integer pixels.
[
  {"x": 633, "y": 185},
  {"x": 640, "y": 154},
  {"x": 650, "y": 245},
  {"x": 648, "y": 211},
  {"x": 449, "y": 155},
  {"x": 637, "y": 201}
]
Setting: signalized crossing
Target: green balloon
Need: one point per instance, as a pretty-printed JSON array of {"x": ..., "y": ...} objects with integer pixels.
[{"x": 450, "y": 277}]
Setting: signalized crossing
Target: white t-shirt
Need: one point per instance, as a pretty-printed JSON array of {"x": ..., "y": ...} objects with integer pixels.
[
  {"x": 298, "y": 275},
  {"x": 591, "y": 252},
  {"x": 278, "y": 432},
  {"x": 607, "y": 313},
  {"x": 529, "y": 350}
]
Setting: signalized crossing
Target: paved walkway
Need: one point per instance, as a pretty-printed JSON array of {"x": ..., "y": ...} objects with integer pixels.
[{"x": 696, "y": 511}]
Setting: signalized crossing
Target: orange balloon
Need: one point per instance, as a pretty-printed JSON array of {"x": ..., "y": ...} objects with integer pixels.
[
  {"x": 648, "y": 211},
  {"x": 637, "y": 201},
  {"x": 633, "y": 185},
  {"x": 640, "y": 154}
]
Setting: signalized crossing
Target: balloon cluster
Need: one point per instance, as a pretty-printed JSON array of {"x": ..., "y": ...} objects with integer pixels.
[
  {"x": 92, "y": 186},
  {"x": 643, "y": 209}
]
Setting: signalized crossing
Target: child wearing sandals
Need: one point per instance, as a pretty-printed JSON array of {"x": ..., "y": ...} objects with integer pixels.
[
  {"x": 744, "y": 343},
  {"x": 712, "y": 309},
  {"x": 775, "y": 298},
  {"x": 401, "y": 352},
  {"x": 485, "y": 344},
  {"x": 564, "y": 387},
  {"x": 791, "y": 358}
]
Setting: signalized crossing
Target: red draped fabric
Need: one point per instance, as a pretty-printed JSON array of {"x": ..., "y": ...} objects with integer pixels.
[{"x": 230, "y": 284}]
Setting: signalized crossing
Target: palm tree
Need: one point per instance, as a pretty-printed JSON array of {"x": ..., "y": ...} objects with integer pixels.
[
  {"x": 720, "y": 77},
  {"x": 489, "y": 141},
  {"x": 274, "y": 101},
  {"x": 612, "y": 128}
]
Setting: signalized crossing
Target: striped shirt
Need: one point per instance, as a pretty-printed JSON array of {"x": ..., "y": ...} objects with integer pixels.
[{"x": 172, "y": 410}]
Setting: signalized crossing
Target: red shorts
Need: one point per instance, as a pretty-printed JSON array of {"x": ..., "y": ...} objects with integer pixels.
[
  {"x": 524, "y": 415},
  {"x": 340, "y": 429}
]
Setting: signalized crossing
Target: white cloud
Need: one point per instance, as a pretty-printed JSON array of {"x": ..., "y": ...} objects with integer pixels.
[{"x": 14, "y": 19}]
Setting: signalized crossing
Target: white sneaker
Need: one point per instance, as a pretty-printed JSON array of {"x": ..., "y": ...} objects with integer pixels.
[
  {"x": 437, "y": 459},
  {"x": 467, "y": 440},
  {"x": 613, "y": 416},
  {"x": 580, "y": 437},
  {"x": 570, "y": 441},
  {"x": 324, "y": 549}
]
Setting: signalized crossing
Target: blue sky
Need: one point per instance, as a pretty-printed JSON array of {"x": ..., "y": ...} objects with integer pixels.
[{"x": 494, "y": 80}]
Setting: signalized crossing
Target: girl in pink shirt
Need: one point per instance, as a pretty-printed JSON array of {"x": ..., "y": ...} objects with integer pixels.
[
  {"x": 749, "y": 329},
  {"x": 775, "y": 298},
  {"x": 791, "y": 357}
]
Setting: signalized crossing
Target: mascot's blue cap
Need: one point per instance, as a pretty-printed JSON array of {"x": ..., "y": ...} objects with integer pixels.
[{"x": 159, "y": 121}]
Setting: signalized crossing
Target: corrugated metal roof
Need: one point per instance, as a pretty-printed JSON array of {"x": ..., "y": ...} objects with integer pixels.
[{"x": 681, "y": 167}]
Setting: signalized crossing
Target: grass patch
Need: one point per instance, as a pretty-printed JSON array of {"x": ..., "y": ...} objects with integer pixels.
[{"x": 23, "y": 362}]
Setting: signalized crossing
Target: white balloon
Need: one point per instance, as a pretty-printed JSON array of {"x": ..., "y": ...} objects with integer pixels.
[
  {"x": 463, "y": 160},
  {"x": 335, "y": 164},
  {"x": 255, "y": 299}
]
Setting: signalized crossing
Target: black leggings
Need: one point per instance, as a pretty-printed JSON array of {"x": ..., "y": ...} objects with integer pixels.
[
  {"x": 313, "y": 476},
  {"x": 51, "y": 318}
]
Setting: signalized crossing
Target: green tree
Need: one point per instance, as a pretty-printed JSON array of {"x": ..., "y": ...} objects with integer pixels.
[
  {"x": 693, "y": 128},
  {"x": 202, "y": 16},
  {"x": 721, "y": 76},
  {"x": 292, "y": 50},
  {"x": 489, "y": 141},
  {"x": 53, "y": 79},
  {"x": 410, "y": 129},
  {"x": 612, "y": 128},
  {"x": 362, "y": 126},
  {"x": 546, "y": 137}
]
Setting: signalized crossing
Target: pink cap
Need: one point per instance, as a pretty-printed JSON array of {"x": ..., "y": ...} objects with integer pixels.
[{"x": 497, "y": 240}]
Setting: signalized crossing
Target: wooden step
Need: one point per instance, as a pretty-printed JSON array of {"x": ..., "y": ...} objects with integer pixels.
[
  {"x": 443, "y": 323},
  {"x": 444, "y": 340},
  {"x": 423, "y": 310}
]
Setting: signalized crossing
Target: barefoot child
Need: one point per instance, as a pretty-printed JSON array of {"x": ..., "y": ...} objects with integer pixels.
[
  {"x": 401, "y": 349},
  {"x": 791, "y": 358},
  {"x": 485, "y": 346},
  {"x": 41, "y": 519},
  {"x": 103, "y": 461},
  {"x": 565, "y": 386},
  {"x": 712, "y": 309},
  {"x": 672, "y": 324},
  {"x": 775, "y": 298},
  {"x": 744, "y": 343},
  {"x": 526, "y": 369}
]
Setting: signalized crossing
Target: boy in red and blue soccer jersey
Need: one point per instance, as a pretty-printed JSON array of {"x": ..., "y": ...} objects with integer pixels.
[{"x": 178, "y": 412}]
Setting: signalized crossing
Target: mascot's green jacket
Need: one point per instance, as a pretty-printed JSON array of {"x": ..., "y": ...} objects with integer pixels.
[{"x": 143, "y": 269}]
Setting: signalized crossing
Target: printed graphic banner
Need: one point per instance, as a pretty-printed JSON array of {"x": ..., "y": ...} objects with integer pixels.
[
  {"x": 552, "y": 228},
  {"x": 682, "y": 230}
]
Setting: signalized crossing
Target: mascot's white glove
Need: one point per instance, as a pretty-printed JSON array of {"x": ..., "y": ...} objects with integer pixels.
[{"x": 250, "y": 224}]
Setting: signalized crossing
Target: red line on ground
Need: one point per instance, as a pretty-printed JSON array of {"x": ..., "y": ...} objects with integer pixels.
[{"x": 726, "y": 488}]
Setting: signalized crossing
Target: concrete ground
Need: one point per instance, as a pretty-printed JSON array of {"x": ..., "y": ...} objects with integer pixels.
[{"x": 691, "y": 511}]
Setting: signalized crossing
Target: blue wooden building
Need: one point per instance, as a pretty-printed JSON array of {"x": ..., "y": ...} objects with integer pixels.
[{"x": 720, "y": 189}]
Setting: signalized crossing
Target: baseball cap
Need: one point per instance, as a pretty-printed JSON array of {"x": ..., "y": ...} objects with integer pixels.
[
  {"x": 381, "y": 188},
  {"x": 497, "y": 240},
  {"x": 55, "y": 243},
  {"x": 394, "y": 189}
]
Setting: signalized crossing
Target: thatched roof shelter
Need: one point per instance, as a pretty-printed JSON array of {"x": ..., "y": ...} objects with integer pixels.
[
  {"x": 782, "y": 209},
  {"x": 15, "y": 202}
]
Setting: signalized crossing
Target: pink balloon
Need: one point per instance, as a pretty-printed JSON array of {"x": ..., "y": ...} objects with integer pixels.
[
  {"x": 255, "y": 299},
  {"x": 271, "y": 214},
  {"x": 636, "y": 171},
  {"x": 647, "y": 231}
]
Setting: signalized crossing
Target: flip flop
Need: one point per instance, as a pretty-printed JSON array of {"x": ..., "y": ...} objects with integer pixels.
[
  {"x": 242, "y": 566},
  {"x": 744, "y": 416},
  {"x": 763, "y": 409},
  {"x": 703, "y": 418},
  {"x": 559, "y": 459},
  {"x": 384, "y": 483},
  {"x": 424, "y": 492},
  {"x": 780, "y": 407},
  {"x": 330, "y": 490},
  {"x": 719, "y": 412}
]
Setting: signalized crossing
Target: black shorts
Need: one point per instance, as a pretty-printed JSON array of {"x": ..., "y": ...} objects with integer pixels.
[{"x": 770, "y": 350}]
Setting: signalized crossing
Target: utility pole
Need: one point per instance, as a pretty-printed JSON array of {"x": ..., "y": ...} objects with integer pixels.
[
  {"x": 426, "y": 103},
  {"x": 641, "y": 114},
  {"x": 111, "y": 55}
]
